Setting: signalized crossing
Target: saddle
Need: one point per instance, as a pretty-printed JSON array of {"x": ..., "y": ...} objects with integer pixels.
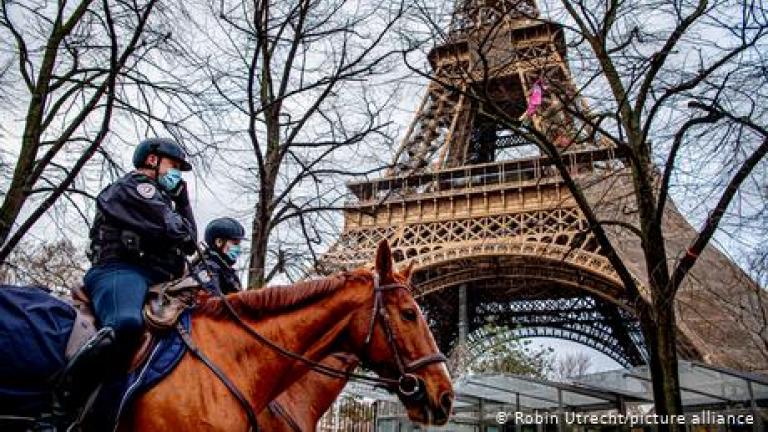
[
  {"x": 163, "y": 306},
  {"x": 165, "y": 302}
]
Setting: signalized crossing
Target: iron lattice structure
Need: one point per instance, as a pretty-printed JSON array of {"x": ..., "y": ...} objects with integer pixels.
[
  {"x": 495, "y": 236},
  {"x": 573, "y": 316}
]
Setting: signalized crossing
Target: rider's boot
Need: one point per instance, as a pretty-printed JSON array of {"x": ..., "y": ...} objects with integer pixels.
[{"x": 82, "y": 376}]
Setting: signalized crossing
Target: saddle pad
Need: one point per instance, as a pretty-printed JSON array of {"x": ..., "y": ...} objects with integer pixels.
[{"x": 116, "y": 398}]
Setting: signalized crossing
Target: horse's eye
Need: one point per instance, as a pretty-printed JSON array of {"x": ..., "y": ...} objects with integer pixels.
[{"x": 408, "y": 314}]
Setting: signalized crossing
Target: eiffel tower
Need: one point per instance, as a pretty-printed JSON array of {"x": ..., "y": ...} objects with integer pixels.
[{"x": 492, "y": 231}]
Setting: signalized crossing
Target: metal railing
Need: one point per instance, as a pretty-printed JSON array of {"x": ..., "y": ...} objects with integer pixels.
[{"x": 481, "y": 177}]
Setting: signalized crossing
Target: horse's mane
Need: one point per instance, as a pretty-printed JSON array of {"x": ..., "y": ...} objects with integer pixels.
[{"x": 278, "y": 298}]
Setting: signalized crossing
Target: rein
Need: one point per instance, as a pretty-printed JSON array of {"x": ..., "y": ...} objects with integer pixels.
[
  {"x": 314, "y": 365},
  {"x": 407, "y": 384},
  {"x": 378, "y": 311},
  {"x": 187, "y": 339}
]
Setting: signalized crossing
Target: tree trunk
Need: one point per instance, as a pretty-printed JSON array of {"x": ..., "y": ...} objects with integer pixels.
[
  {"x": 259, "y": 242},
  {"x": 256, "y": 265},
  {"x": 661, "y": 341},
  {"x": 658, "y": 318},
  {"x": 11, "y": 206},
  {"x": 21, "y": 183},
  {"x": 262, "y": 223}
]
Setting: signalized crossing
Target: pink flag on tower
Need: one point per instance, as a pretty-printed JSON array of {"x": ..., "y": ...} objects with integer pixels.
[{"x": 534, "y": 99}]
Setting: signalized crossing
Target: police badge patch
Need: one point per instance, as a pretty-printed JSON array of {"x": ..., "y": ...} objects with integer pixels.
[{"x": 146, "y": 190}]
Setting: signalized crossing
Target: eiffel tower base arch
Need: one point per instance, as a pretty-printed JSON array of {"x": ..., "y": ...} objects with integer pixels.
[{"x": 532, "y": 297}]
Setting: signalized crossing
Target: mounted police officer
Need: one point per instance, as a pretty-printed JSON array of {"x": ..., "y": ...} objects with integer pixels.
[
  {"x": 143, "y": 229},
  {"x": 222, "y": 238}
]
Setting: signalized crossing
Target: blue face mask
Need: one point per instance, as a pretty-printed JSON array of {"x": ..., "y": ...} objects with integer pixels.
[
  {"x": 234, "y": 252},
  {"x": 170, "y": 180}
]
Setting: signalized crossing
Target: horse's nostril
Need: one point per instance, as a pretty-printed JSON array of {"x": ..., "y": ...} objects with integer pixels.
[{"x": 446, "y": 401}]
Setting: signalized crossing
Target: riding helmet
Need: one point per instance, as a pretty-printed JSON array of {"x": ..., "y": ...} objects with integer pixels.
[
  {"x": 223, "y": 228},
  {"x": 161, "y": 147}
]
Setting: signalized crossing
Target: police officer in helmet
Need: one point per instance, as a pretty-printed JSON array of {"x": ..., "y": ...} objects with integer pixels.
[
  {"x": 143, "y": 229},
  {"x": 223, "y": 237}
]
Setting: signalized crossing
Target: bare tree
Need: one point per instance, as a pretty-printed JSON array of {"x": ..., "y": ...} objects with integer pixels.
[
  {"x": 77, "y": 68},
  {"x": 571, "y": 365},
  {"x": 296, "y": 108},
  {"x": 4, "y": 80},
  {"x": 496, "y": 349},
  {"x": 679, "y": 91},
  {"x": 58, "y": 266}
]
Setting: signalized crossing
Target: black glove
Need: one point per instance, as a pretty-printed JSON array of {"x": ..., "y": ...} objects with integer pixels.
[
  {"x": 188, "y": 246},
  {"x": 180, "y": 195}
]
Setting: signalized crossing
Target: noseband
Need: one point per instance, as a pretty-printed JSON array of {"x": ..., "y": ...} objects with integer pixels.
[{"x": 408, "y": 385}]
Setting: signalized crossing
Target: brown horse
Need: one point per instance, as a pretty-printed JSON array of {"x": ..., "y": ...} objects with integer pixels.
[
  {"x": 299, "y": 408},
  {"x": 370, "y": 314}
]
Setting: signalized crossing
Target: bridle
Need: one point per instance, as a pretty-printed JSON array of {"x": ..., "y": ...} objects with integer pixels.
[{"x": 408, "y": 385}]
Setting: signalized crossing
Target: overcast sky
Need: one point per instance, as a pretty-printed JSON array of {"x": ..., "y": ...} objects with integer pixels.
[{"x": 212, "y": 194}]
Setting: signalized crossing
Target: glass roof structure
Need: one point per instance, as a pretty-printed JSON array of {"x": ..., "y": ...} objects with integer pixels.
[
  {"x": 703, "y": 387},
  {"x": 701, "y": 384},
  {"x": 533, "y": 394}
]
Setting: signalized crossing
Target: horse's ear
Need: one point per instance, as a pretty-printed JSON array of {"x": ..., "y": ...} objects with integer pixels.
[
  {"x": 384, "y": 260},
  {"x": 408, "y": 271}
]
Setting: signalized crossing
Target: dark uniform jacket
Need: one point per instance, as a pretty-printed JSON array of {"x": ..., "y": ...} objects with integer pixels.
[
  {"x": 223, "y": 275},
  {"x": 139, "y": 223}
]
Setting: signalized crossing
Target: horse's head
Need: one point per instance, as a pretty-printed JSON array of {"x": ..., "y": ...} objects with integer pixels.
[{"x": 398, "y": 344}]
